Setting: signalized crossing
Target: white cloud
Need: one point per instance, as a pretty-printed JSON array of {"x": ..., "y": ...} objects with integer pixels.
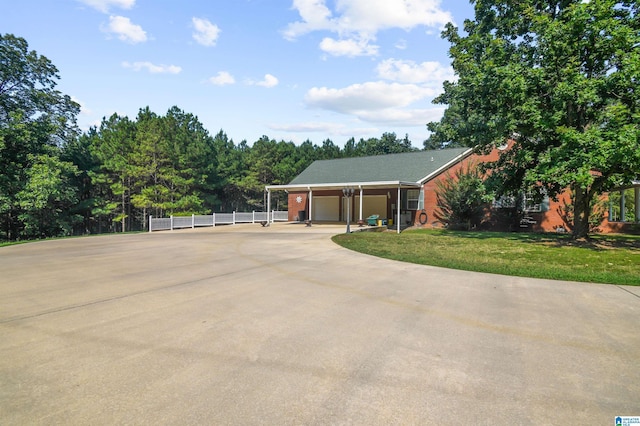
[
  {"x": 268, "y": 81},
  {"x": 378, "y": 102},
  {"x": 403, "y": 117},
  {"x": 205, "y": 32},
  {"x": 325, "y": 128},
  {"x": 375, "y": 15},
  {"x": 315, "y": 16},
  {"x": 350, "y": 47},
  {"x": 125, "y": 30},
  {"x": 153, "y": 68},
  {"x": 367, "y": 96},
  {"x": 401, "y": 44},
  {"x": 319, "y": 127},
  {"x": 223, "y": 78},
  {"x": 104, "y": 5},
  {"x": 429, "y": 73},
  {"x": 363, "y": 19}
]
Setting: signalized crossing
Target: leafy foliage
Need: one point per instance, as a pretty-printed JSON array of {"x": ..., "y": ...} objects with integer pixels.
[
  {"x": 35, "y": 119},
  {"x": 462, "y": 199},
  {"x": 561, "y": 79},
  {"x": 46, "y": 198}
]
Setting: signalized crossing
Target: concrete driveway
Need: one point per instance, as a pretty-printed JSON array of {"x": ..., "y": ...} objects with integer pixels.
[{"x": 248, "y": 325}]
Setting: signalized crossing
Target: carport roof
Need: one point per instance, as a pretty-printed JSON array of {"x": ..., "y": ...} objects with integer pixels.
[{"x": 406, "y": 169}]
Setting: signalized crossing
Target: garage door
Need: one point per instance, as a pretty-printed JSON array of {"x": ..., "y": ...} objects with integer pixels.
[
  {"x": 371, "y": 204},
  {"x": 326, "y": 209}
]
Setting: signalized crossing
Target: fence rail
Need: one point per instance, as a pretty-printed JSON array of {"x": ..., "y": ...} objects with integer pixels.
[{"x": 193, "y": 221}]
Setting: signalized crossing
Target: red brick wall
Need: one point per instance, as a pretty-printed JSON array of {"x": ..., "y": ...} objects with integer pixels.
[
  {"x": 295, "y": 207},
  {"x": 552, "y": 220},
  {"x": 430, "y": 198}
]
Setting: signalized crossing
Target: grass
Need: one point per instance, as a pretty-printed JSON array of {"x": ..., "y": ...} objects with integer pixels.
[{"x": 611, "y": 259}]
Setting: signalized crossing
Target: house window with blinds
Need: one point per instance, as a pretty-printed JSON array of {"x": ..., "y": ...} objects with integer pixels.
[{"x": 415, "y": 199}]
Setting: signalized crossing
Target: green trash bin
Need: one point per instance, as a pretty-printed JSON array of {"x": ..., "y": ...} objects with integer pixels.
[{"x": 371, "y": 220}]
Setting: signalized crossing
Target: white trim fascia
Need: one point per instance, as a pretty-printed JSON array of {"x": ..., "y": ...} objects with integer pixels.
[
  {"x": 340, "y": 185},
  {"x": 446, "y": 166}
]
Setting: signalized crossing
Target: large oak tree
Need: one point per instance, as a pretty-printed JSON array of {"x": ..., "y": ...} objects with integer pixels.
[
  {"x": 35, "y": 121},
  {"x": 561, "y": 79}
]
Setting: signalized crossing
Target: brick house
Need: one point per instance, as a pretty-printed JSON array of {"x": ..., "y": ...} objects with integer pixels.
[{"x": 401, "y": 190}]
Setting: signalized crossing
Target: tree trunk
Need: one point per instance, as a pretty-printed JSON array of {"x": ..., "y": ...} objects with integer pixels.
[{"x": 581, "y": 213}]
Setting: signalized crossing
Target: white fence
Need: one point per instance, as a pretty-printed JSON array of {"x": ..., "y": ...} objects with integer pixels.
[{"x": 193, "y": 221}]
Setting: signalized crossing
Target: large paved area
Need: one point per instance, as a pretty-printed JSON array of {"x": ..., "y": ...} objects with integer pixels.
[{"x": 248, "y": 325}]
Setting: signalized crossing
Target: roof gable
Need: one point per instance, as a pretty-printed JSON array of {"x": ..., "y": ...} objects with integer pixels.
[{"x": 405, "y": 167}]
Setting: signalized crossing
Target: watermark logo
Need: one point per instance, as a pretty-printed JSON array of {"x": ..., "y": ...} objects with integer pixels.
[{"x": 628, "y": 421}]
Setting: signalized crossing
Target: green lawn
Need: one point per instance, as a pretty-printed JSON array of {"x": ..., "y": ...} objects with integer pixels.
[{"x": 613, "y": 259}]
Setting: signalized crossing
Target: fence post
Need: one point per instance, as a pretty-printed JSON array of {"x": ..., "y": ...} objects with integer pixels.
[
  {"x": 193, "y": 221},
  {"x": 253, "y": 218},
  {"x": 171, "y": 217},
  {"x": 234, "y": 218},
  {"x": 213, "y": 219},
  {"x": 150, "y": 217}
]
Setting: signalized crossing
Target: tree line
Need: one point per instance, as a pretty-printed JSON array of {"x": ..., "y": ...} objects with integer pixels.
[
  {"x": 56, "y": 180},
  {"x": 560, "y": 78}
]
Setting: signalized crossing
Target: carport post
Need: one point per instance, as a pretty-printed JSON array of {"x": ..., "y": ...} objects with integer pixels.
[
  {"x": 310, "y": 204},
  {"x": 268, "y": 206},
  {"x": 398, "y": 209},
  {"x": 360, "y": 214}
]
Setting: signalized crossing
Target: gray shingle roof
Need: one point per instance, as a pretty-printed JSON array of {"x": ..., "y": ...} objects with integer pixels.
[{"x": 406, "y": 167}]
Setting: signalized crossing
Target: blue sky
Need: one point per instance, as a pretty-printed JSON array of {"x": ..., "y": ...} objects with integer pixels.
[{"x": 289, "y": 69}]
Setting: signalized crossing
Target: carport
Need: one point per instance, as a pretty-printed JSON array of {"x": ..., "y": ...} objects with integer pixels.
[{"x": 363, "y": 194}]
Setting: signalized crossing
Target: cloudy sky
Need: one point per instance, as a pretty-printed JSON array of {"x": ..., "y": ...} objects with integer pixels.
[{"x": 288, "y": 69}]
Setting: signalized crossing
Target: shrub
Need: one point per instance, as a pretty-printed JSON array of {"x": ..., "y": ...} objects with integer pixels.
[{"x": 462, "y": 199}]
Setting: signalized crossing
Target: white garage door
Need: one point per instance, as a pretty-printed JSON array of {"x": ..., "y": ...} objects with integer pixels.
[
  {"x": 371, "y": 204},
  {"x": 326, "y": 209}
]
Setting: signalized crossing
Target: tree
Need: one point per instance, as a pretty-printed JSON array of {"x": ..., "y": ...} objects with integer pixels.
[
  {"x": 561, "y": 78},
  {"x": 78, "y": 152},
  {"x": 175, "y": 162},
  {"x": 113, "y": 149},
  {"x": 35, "y": 120},
  {"x": 193, "y": 157},
  {"x": 387, "y": 144},
  {"x": 462, "y": 199},
  {"x": 329, "y": 150},
  {"x": 47, "y": 198},
  {"x": 230, "y": 168}
]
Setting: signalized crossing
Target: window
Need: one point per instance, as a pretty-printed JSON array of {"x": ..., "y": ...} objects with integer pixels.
[
  {"x": 530, "y": 205},
  {"x": 505, "y": 202},
  {"x": 415, "y": 199}
]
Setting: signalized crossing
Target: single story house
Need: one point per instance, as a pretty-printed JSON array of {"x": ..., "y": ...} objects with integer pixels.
[{"x": 401, "y": 190}]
